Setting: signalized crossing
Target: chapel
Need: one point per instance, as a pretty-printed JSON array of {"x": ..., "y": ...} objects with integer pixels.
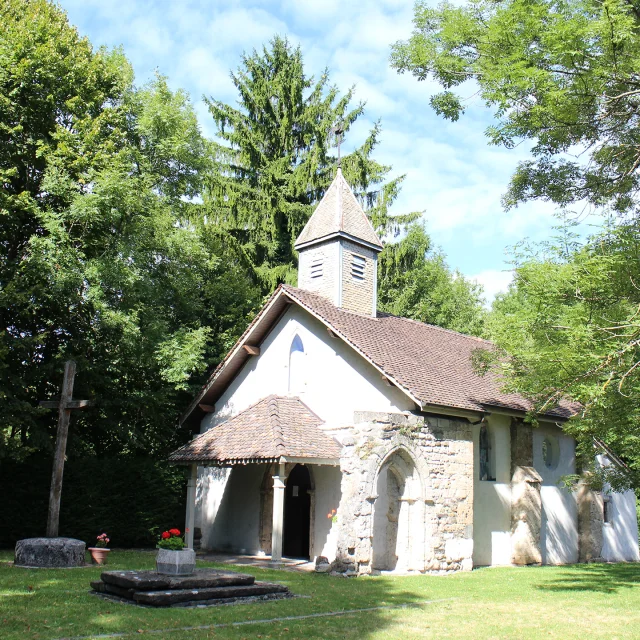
[{"x": 332, "y": 430}]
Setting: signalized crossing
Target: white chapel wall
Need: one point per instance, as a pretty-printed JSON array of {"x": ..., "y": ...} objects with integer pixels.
[
  {"x": 212, "y": 482},
  {"x": 328, "y": 492},
  {"x": 559, "y": 532},
  {"x": 336, "y": 382},
  {"x": 492, "y": 499},
  {"x": 620, "y": 534},
  {"x": 235, "y": 526}
]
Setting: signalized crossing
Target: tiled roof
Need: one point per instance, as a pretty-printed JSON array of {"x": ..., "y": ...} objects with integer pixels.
[
  {"x": 339, "y": 212},
  {"x": 273, "y": 427},
  {"x": 433, "y": 365}
]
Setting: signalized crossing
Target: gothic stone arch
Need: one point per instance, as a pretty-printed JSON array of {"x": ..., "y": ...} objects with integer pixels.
[{"x": 386, "y": 503}]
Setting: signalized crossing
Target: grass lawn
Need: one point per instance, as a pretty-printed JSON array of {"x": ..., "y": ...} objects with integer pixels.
[{"x": 582, "y": 601}]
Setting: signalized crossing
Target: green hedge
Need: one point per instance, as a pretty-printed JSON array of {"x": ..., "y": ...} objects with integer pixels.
[{"x": 132, "y": 499}]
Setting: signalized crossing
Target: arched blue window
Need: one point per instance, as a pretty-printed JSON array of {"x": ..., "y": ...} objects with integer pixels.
[{"x": 296, "y": 361}]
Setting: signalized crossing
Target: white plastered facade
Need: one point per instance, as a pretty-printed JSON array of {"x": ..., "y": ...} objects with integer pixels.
[
  {"x": 327, "y": 369},
  {"x": 407, "y": 492},
  {"x": 335, "y": 382}
]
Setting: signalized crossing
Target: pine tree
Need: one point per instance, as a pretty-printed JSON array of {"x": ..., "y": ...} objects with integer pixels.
[{"x": 277, "y": 159}]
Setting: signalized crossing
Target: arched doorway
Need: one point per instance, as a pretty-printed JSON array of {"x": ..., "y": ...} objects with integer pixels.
[
  {"x": 398, "y": 517},
  {"x": 297, "y": 513}
]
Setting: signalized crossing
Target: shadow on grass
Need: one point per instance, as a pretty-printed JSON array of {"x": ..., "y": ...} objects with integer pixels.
[
  {"x": 602, "y": 578},
  {"x": 59, "y": 605}
]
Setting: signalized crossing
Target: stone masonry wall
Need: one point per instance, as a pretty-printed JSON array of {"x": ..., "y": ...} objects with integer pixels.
[
  {"x": 358, "y": 295},
  {"x": 437, "y": 457}
]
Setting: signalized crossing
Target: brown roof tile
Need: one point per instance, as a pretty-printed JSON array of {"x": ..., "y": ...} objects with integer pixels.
[
  {"x": 273, "y": 427},
  {"x": 431, "y": 364},
  {"x": 338, "y": 212}
]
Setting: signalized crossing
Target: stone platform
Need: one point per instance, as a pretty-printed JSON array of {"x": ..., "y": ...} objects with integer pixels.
[
  {"x": 203, "y": 587},
  {"x": 50, "y": 553}
]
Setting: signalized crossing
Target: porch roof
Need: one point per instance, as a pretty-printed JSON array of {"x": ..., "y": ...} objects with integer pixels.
[{"x": 275, "y": 428}]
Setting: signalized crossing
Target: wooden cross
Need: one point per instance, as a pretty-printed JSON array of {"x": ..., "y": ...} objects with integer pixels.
[{"x": 64, "y": 406}]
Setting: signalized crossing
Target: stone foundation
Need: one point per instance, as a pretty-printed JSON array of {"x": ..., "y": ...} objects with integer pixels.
[{"x": 204, "y": 587}]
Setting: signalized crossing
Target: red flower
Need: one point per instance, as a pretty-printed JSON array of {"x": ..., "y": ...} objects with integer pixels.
[
  {"x": 165, "y": 535},
  {"x": 174, "y": 532}
]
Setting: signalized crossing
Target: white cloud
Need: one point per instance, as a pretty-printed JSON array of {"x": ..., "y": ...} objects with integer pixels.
[
  {"x": 494, "y": 282},
  {"x": 452, "y": 173}
]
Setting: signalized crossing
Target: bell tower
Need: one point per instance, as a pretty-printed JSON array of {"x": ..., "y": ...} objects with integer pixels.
[{"x": 339, "y": 250}]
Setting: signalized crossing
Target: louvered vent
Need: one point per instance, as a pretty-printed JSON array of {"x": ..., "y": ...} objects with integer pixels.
[
  {"x": 357, "y": 267},
  {"x": 316, "y": 268}
]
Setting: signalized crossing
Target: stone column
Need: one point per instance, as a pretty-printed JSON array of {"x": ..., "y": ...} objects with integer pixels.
[
  {"x": 526, "y": 500},
  {"x": 279, "y": 484},
  {"x": 590, "y": 521},
  {"x": 191, "y": 505}
]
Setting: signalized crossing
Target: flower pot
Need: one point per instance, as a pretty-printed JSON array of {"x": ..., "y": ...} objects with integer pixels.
[
  {"x": 176, "y": 563},
  {"x": 99, "y": 554}
]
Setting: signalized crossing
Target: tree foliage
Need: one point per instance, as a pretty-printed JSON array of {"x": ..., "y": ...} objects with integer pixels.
[
  {"x": 563, "y": 75},
  {"x": 103, "y": 256},
  {"x": 571, "y": 328},
  {"x": 277, "y": 159},
  {"x": 134, "y": 245},
  {"x": 414, "y": 281}
]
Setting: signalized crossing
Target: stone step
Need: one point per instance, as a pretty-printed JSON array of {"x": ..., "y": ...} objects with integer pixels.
[
  {"x": 152, "y": 581},
  {"x": 121, "y": 592},
  {"x": 177, "y": 596}
]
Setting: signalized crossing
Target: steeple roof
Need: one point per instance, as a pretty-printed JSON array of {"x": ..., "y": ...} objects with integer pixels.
[{"x": 339, "y": 214}]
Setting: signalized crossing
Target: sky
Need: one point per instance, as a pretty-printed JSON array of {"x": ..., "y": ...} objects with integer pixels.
[{"x": 452, "y": 174}]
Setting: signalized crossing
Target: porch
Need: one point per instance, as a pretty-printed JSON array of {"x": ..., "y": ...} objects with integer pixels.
[{"x": 267, "y": 483}]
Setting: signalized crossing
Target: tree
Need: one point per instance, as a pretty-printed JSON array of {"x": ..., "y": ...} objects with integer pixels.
[
  {"x": 563, "y": 75},
  {"x": 415, "y": 282},
  {"x": 276, "y": 161},
  {"x": 103, "y": 255},
  {"x": 569, "y": 328}
]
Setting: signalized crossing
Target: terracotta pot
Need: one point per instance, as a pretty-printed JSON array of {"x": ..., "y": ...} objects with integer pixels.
[{"x": 99, "y": 554}]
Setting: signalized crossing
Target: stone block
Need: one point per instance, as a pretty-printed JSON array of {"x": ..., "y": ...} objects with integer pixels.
[
  {"x": 457, "y": 549},
  {"x": 153, "y": 581},
  {"x": 467, "y": 564},
  {"x": 50, "y": 553},
  {"x": 178, "y": 596}
]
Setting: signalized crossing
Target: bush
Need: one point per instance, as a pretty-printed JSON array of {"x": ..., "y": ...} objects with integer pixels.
[{"x": 133, "y": 499}]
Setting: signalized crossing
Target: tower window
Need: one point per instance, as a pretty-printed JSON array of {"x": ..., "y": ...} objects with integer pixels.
[
  {"x": 316, "y": 268},
  {"x": 357, "y": 267}
]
